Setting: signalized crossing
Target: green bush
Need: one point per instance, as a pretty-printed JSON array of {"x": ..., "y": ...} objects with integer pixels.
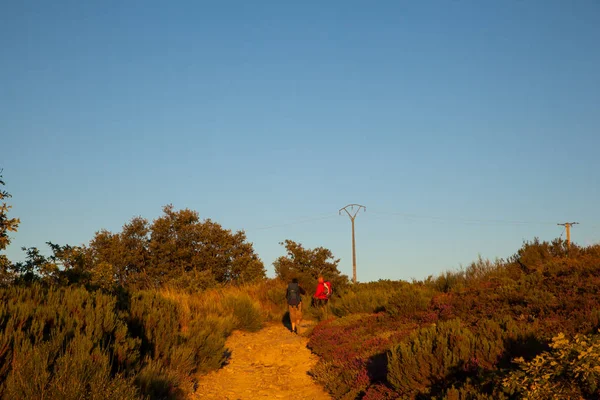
[
  {"x": 73, "y": 344},
  {"x": 470, "y": 392},
  {"x": 173, "y": 356},
  {"x": 409, "y": 302},
  {"x": 162, "y": 382},
  {"x": 365, "y": 297},
  {"x": 82, "y": 371},
  {"x": 571, "y": 369},
  {"x": 246, "y": 313},
  {"x": 359, "y": 302},
  {"x": 436, "y": 355},
  {"x": 61, "y": 343}
]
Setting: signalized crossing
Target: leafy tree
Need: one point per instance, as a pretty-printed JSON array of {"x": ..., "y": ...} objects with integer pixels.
[
  {"x": 181, "y": 243},
  {"x": 6, "y": 225},
  {"x": 71, "y": 263},
  {"x": 66, "y": 265},
  {"x": 33, "y": 268},
  {"x": 177, "y": 248},
  {"x": 308, "y": 264},
  {"x": 126, "y": 254}
]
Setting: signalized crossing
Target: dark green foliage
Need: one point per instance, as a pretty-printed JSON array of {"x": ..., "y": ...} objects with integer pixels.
[
  {"x": 368, "y": 297},
  {"x": 177, "y": 249},
  {"x": 81, "y": 371},
  {"x": 67, "y": 265},
  {"x": 73, "y": 344},
  {"x": 431, "y": 356},
  {"x": 171, "y": 356},
  {"x": 410, "y": 302},
  {"x": 570, "y": 369},
  {"x": 246, "y": 313},
  {"x": 307, "y": 264},
  {"x": 63, "y": 342}
]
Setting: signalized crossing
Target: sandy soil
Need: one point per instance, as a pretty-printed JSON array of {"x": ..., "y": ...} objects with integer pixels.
[{"x": 272, "y": 363}]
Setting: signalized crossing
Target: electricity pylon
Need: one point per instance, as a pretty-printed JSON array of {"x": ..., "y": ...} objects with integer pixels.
[
  {"x": 352, "y": 216},
  {"x": 567, "y": 226}
]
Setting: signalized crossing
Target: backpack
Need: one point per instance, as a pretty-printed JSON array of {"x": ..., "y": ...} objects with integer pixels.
[
  {"x": 328, "y": 290},
  {"x": 293, "y": 294}
]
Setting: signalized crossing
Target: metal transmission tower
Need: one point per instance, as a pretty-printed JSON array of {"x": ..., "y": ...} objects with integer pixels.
[
  {"x": 352, "y": 216},
  {"x": 567, "y": 226}
]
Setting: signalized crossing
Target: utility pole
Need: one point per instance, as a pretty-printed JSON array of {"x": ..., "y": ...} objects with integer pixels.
[
  {"x": 352, "y": 216},
  {"x": 567, "y": 226}
]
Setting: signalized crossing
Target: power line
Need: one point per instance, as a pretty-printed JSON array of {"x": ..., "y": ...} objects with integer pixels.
[
  {"x": 413, "y": 217},
  {"x": 463, "y": 220},
  {"x": 301, "y": 221}
]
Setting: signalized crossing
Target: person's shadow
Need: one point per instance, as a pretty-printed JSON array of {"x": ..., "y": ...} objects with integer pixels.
[{"x": 285, "y": 320}]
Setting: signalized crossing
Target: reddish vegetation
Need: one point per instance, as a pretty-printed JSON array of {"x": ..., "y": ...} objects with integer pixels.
[{"x": 455, "y": 336}]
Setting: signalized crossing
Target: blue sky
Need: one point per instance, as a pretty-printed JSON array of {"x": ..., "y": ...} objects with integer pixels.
[{"x": 450, "y": 120}]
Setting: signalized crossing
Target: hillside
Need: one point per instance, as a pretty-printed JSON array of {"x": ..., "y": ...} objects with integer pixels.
[
  {"x": 169, "y": 309},
  {"x": 525, "y": 327}
]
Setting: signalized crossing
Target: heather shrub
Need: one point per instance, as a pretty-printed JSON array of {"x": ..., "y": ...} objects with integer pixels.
[
  {"x": 246, "y": 306},
  {"x": 455, "y": 335},
  {"x": 536, "y": 255},
  {"x": 410, "y": 302},
  {"x": 352, "y": 351},
  {"x": 246, "y": 313},
  {"x": 363, "y": 301},
  {"x": 380, "y": 392},
  {"x": 81, "y": 371},
  {"x": 270, "y": 295},
  {"x": 470, "y": 392},
  {"x": 366, "y": 297},
  {"x": 60, "y": 343},
  {"x": 481, "y": 269},
  {"x": 447, "y": 281},
  {"x": 172, "y": 355},
  {"x": 71, "y": 343},
  {"x": 440, "y": 354}
]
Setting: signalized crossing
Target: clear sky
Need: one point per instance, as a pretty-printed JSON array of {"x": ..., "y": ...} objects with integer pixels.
[{"x": 450, "y": 120}]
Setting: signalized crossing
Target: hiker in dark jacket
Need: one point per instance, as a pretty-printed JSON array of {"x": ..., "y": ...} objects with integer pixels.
[{"x": 294, "y": 303}]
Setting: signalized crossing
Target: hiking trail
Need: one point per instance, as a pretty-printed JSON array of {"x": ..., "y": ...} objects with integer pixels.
[{"x": 271, "y": 363}]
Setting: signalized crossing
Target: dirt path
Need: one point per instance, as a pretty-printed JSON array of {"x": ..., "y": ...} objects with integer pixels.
[{"x": 271, "y": 363}]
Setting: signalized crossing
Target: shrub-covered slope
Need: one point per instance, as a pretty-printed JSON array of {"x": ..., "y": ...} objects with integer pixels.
[
  {"x": 520, "y": 328},
  {"x": 71, "y": 343}
]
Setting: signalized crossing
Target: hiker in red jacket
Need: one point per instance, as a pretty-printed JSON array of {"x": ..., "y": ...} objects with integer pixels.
[{"x": 321, "y": 296}]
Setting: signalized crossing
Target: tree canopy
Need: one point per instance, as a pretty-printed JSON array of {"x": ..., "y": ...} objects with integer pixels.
[
  {"x": 307, "y": 264},
  {"x": 177, "y": 247}
]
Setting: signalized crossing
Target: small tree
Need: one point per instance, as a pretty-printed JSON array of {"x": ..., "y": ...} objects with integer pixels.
[
  {"x": 6, "y": 225},
  {"x": 307, "y": 265}
]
